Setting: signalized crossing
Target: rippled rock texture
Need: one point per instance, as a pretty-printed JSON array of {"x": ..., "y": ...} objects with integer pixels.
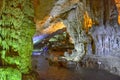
[
  {"x": 106, "y": 33},
  {"x": 92, "y": 24}
]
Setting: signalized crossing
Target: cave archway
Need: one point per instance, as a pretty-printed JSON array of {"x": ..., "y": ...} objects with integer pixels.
[
  {"x": 102, "y": 35},
  {"x": 104, "y": 21}
]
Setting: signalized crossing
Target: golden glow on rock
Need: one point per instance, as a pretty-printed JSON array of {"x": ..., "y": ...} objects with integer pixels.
[
  {"x": 118, "y": 7},
  {"x": 119, "y": 19},
  {"x": 87, "y": 22},
  {"x": 54, "y": 27},
  {"x": 39, "y": 24}
]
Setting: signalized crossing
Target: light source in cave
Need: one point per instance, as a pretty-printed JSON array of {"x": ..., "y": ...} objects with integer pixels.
[
  {"x": 57, "y": 26},
  {"x": 45, "y": 32},
  {"x": 39, "y": 38}
]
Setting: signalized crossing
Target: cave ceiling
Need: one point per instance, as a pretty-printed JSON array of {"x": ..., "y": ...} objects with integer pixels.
[{"x": 44, "y": 7}]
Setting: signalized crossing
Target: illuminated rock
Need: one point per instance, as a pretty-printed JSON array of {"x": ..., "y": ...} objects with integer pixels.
[
  {"x": 95, "y": 18},
  {"x": 118, "y": 8},
  {"x": 74, "y": 24}
]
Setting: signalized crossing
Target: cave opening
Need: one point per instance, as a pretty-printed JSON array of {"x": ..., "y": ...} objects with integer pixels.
[
  {"x": 70, "y": 38},
  {"x": 92, "y": 28}
]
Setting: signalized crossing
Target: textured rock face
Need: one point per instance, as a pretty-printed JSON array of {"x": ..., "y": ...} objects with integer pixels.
[
  {"x": 102, "y": 16},
  {"x": 74, "y": 23},
  {"x": 107, "y": 40},
  {"x": 103, "y": 39},
  {"x": 106, "y": 34},
  {"x": 118, "y": 7},
  {"x": 71, "y": 13},
  {"x": 100, "y": 10}
]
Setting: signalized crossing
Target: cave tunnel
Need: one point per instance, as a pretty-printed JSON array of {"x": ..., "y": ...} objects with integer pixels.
[
  {"x": 59, "y": 40},
  {"x": 89, "y": 43}
]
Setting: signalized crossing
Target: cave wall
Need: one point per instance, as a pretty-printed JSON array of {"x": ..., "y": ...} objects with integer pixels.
[
  {"x": 118, "y": 8},
  {"x": 42, "y": 8},
  {"x": 105, "y": 30},
  {"x": 101, "y": 37},
  {"x": 100, "y": 10},
  {"x": 103, "y": 17}
]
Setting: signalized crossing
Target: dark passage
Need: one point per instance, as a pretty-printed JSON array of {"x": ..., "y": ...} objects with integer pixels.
[{"x": 47, "y": 72}]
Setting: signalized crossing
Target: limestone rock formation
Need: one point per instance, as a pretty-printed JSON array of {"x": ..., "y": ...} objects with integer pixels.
[
  {"x": 72, "y": 15},
  {"x": 74, "y": 24},
  {"x": 106, "y": 34},
  {"x": 92, "y": 24}
]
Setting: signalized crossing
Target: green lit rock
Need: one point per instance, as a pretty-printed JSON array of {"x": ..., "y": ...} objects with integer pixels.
[
  {"x": 16, "y": 31},
  {"x": 10, "y": 74}
]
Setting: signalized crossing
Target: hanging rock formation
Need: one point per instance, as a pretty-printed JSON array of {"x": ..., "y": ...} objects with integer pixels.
[
  {"x": 71, "y": 13},
  {"x": 105, "y": 34},
  {"x": 106, "y": 30},
  {"x": 93, "y": 26}
]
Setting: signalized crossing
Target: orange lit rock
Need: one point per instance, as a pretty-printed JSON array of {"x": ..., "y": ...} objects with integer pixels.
[
  {"x": 40, "y": 23},
  {"x": 119, "y": 19},
  {"x": 118, "y": 7},
  {"x": 54, "y": 27},
  {"x": 87, "y": 22}
]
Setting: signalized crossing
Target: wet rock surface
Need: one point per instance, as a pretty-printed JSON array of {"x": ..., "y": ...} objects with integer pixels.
[
  {"x": 108, "y": 63},
  {"x": 104, "y": 32},
  {"x": 54, "y": 72}
]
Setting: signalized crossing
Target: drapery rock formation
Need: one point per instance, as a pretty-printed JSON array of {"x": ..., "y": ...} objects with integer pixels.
[
  {"x": 106, "y": 33},
  {"x": 64, "y": 12},
  {"x": 105, "y": 29},
  {"x": 93, "y": 26}
]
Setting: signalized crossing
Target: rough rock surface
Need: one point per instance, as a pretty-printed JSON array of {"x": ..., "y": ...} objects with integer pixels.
[
  {"x": 104, "y": 36},
  {"x": 74, "y": 23}
]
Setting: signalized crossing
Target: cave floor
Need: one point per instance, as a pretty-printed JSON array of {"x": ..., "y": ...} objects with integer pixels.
[{"x": 47, "y": 72}]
